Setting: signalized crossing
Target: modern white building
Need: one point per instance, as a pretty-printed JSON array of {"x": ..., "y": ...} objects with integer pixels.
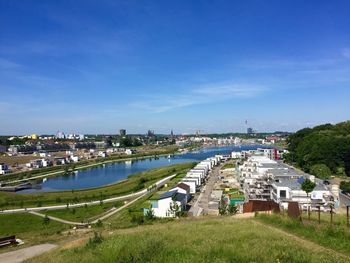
[
  {"x": 192, "y": 183},
  {"x": 266, "y": 179},
  {"x": 289, "y": 189},
  {"x": 4, "y": 169},
  {"x": 183, "y": 189},
  {"x": 162, "y": 205},
  {"x": 129, "y": 152}
]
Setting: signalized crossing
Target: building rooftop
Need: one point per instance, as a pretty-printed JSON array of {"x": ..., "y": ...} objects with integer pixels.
[
  {"x": 272, "y": 165},
  {"x": 184, "y": 186},
  {"x": 295, "y": 184},
  {"x": 169, "y": 194}
]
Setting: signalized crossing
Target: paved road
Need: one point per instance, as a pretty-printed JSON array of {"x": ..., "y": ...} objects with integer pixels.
[
  {"x": 201, "y": 205},
  {"x": 205, "y": 197},
  {"x": 25, "y": 253}
]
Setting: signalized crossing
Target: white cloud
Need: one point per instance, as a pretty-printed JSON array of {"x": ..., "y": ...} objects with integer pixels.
[
  {"x": 231, "y": 90},
  {"x": 199, "y": 95}
]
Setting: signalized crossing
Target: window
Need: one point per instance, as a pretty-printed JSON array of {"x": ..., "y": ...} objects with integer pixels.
[
  {"x": 283, "y": 193},
  {"x": 154, "y": 204}
]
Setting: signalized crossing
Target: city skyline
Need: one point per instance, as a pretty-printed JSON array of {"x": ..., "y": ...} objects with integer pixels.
[{"x": 88, "y": 67}]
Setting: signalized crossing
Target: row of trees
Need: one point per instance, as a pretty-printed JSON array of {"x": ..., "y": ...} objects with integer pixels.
[{"x": 322, "y": 150}]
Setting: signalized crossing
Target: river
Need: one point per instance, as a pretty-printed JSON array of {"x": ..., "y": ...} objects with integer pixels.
[{"x": 118, "y": 171}]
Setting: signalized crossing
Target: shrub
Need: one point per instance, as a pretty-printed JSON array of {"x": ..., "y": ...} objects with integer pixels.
[
  {"x": 321, "y": 171},
  {"x": 46, "y": 220},
  {"x": 137, "y": 219},
  {"x": 345, "y": 186},
  {"x": 99, "y": 223},
  {"x": 232, "y": 209},
  {"x": 95, "y": 240},
  {"x": 150, "y": 214}
]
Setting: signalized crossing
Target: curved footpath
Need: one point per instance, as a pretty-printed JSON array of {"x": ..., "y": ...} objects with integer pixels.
[
  {"x": 109, "y": 213},
  {"x": 109, "y": 200}
]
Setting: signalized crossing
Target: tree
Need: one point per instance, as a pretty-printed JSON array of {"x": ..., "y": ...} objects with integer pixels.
[
  {"x": 232, "y": 209},
  {"x": 325, "y": 144},
  {"x": 308, "y": 186},
  {"x": 322, "y": 171},
  {"x": 174, "y": 207},
  {"x": 222, "y": 206},
  {"x": 150, "y": 214}
]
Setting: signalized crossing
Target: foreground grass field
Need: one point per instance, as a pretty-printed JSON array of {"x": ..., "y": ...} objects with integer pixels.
[
  {"x": 30, "y": 228},
  {"x": 335, "y": 236},
  {"x": 189, "y": 240},
  {"x": 134, "y": 183}
]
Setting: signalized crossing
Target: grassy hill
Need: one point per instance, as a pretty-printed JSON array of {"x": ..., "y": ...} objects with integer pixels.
[{"x": 219, "y": 239}]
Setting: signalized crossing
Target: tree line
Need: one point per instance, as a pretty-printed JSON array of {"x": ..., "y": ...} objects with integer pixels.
[{"x": 323, "y": 150}]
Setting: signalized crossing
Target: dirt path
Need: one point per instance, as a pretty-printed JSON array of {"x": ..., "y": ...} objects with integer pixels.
[
  {"x": 25, "y": 253},
  {"x": 305, "y": 243}
]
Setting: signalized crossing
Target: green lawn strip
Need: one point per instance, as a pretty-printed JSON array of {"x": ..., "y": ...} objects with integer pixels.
[
  {"x": 83, "y": 214},
  {"x": 30, "y": 228},
  {"x": 206, "y": 240},
  {"x": 228, "y": 166},
  {"x": 334, "y": 237},
  {"x": 134, "y": 183}
]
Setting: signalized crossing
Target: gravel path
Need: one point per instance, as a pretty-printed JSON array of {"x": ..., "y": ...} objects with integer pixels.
[{"x": 25, "y": 253}]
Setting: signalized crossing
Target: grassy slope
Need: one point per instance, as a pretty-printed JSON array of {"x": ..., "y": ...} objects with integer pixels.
[
  {"x": 207, "y": 240},
  {"x": 336, "y": 237},
  {"x": 11, "y": 200},
  {"x": 30, "y": 228}
]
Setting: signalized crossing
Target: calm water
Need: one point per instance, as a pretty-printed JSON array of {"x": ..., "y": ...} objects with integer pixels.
[{"x": 114, "y": 172}]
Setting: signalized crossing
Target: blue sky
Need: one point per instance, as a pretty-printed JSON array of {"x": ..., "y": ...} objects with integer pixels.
[{"x": 98, "y": 66}]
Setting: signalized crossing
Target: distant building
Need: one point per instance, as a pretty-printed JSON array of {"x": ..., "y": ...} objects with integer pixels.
[
  {"x": 4, "y": 169},
  {"x": 122, "y": 132},
  {"x": 2, "y": 149},
  {"x": 250, "y": 131},
  {"x": 129, "y": 151},
  {"x": 150, "y": 133},
  {"x": 60, "y": 135}
]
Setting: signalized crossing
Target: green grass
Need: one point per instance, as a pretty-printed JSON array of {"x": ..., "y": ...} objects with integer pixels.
[
  {"x": 229, "y": 166},
  {"x": 336, "y": 237},
  {"x": 134, "y": 183},
  {"x": 338, "y": 219},
  {"x": 83, "y": 214},
  {"x": 206, "y": 240},
  {"x": 30, "y": 228}
]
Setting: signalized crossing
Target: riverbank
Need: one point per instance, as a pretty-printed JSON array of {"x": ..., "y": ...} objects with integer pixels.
[
  {"x": 59, "y": 170},
  {"x": 134, "y": 183}
]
